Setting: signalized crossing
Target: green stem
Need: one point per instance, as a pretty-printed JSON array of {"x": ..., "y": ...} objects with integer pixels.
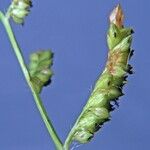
[
  {"x": 36, "y": 96},
  {"x": 68, "y": 140}
]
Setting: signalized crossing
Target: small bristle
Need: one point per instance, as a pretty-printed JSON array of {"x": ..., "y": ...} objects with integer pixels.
[{"x": 131, "y": 53}]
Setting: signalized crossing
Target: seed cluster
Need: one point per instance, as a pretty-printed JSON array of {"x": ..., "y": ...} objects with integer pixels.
[
  {"x": 19, "y": 10},
  {"x": 39, "y": 69},
  {"x": 108, "y": 87}
]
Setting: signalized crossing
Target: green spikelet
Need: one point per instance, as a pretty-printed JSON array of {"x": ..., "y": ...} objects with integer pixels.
[
  {"x": 39, "y": 68},
  {"x": 19, "y": 9},
  {"x": 108, "y": 87}
]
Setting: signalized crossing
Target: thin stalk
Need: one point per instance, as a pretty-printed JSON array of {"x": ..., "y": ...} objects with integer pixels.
[
  {"x": 68, "y": 140},
  {"x": 36, "y": 96}
]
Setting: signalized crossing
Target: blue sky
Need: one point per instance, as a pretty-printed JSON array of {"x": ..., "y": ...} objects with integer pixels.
[{"x": 76, "y": 32}]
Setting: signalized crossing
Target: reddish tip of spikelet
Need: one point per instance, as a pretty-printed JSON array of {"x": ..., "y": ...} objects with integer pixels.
[{"x": 117, "y": 16}]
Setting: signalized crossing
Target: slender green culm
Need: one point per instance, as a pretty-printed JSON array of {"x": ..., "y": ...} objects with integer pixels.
[
  {"x": 108, "y": 87},
  {"x": 39, "y": 73}
]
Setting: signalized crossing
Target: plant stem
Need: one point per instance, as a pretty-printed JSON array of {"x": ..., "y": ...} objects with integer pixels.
[
  {"x": 68, "y": 140},
  {"x": 36, "y": 96}
]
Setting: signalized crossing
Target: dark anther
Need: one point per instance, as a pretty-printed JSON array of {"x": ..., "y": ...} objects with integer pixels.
[
  {"x": 130, "y": 69},
  {"x": 115, "y": 34},
  {"x": 122, "y": 94},
  {"x": 125, "y": 78},
  {"x": 108, "y": 119},
  {"x": 90, "y": 137},
  {"x": 131, "y": 53},
  {"x": 111, "y": 107},
  {"x": 117, "y": 99},
  {"x": 48, "y": 82},
  {"x": 101, "y": 123},
  {"x": 97, "y": 127},
  {"x": 116, "y": 103},
  {"x": 132, "y": 31},
  {"x": 130, "y": 72},
  {"x": 124, "y": 82},
  {"x": 109, "y": 83}
]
